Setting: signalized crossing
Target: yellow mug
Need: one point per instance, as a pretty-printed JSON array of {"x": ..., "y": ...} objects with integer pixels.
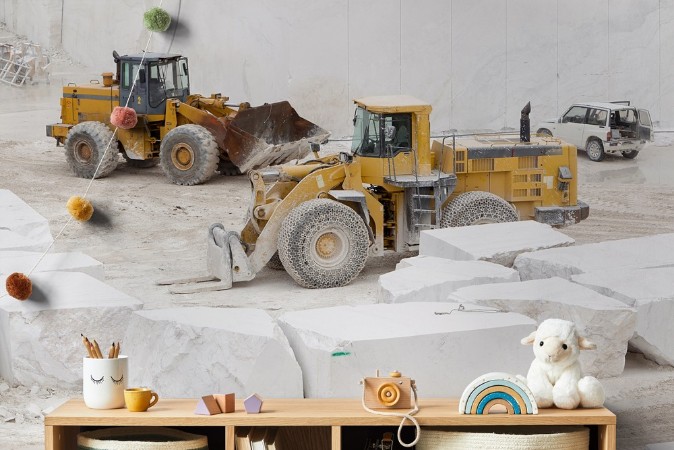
[{"x": 139, "y": 399}]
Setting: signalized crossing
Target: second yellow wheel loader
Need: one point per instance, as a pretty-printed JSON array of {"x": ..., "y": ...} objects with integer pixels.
[{"x": 189, "y": 135}]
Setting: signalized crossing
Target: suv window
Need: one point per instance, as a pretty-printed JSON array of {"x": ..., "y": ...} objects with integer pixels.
[
  {"x": 623, "y": 117},
  {"x": 575, "y": 115},
  {"x": 645, "y": 118},
  {"x": 597, "y": 117}
]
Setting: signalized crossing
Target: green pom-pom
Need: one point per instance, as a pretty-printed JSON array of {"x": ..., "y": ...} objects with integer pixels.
[{"x": 156, "y": 19}]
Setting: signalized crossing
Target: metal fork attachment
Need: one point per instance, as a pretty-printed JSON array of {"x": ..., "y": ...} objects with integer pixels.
[{"x": 226, "y": 263}]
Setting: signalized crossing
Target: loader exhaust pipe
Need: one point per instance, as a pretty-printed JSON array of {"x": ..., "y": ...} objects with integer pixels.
[{"x": 525, "y": 124}]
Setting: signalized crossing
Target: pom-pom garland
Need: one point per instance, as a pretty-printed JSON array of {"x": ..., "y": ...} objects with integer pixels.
[
  {"x": 19, "y": 286},
  {"x": 156, "y": 19},
  {"x": 80, "y": 208},
  {"x": 123, "y": 117}
]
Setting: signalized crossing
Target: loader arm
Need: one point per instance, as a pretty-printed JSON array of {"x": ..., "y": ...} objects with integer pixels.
[
  {"x": 314, "y": 185},
  {"x": 185, "y": 114}
]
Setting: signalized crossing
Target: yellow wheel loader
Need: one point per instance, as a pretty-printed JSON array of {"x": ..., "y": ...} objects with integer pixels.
[
  {"x": 189, "y": 135},
  {"x": 320, "y": 220}
]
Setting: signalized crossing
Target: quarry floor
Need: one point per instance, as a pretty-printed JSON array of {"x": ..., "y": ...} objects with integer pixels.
[{"x": 148, "y": 229}]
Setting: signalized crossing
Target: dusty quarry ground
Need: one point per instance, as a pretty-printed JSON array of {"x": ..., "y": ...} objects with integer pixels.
[{"x": 148, "y": 229}]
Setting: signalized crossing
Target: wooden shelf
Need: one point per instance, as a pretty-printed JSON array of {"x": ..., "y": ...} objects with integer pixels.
[{"x": 63, "y": 424}]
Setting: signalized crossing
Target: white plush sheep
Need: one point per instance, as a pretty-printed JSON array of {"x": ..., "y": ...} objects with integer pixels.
[{"x": 555, "y": 376}]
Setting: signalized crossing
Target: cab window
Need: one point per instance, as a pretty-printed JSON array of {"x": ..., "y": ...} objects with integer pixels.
[
  {"x": 129, "y": 71},
  {"x": 381, "y": 135}
]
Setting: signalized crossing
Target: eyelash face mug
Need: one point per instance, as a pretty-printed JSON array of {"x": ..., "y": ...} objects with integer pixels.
[{"x": 104, "y": 381}]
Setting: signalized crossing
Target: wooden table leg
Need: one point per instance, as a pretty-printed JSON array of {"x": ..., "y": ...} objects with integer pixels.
[
  {"x": 229, "y": 437},
  {"x": 607, "y": 437},
  {"x": 60, "y": 438},
  {"x": 336, "y": 438}
]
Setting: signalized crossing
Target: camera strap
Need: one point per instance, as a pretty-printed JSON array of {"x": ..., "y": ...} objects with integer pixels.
[{"x": 405, "y": 416}]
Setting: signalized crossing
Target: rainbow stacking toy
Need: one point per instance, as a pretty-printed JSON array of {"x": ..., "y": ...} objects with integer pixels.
[{"x": 497, "y": 388}]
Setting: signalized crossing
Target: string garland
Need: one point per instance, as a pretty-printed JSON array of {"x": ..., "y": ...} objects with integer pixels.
[{"x": 19, "y": 285}]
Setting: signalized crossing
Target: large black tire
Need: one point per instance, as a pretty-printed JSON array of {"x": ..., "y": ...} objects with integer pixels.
[
  {"x": 631, "y": 154},
  {"x": 226, "y": 167},
  {"x": 188, "y": 155},
  {"x": 323, "y": 244},
  {"x": 595, "y": 150},
  {"x": 475, "y": 208},
  {"x": 275, "y": 262},
  {"x": 544, "y": 132},
  {"x": 87, "y": 149}
]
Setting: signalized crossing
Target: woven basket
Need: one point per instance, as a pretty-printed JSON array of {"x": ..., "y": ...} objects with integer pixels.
[
  {"x": 506, "y": 438},
  {"x": 140, "y": 438}
]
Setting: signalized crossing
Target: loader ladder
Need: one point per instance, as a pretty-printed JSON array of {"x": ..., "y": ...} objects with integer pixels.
[{"x": 426, "y": 194}]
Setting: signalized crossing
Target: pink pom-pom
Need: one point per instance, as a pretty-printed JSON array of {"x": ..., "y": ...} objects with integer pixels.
[{"x": 123, "y": 117}]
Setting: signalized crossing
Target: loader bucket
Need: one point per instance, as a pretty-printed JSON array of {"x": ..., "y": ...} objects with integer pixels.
[{"x": 270, "y": 134}]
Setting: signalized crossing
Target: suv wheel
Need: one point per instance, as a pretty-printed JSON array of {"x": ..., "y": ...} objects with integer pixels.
[{"x": 595, "y": 150}]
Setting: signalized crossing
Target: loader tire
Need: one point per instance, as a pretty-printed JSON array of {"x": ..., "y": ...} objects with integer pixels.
[
  {"x": 226, "y": 167},
  {"x": 323, "y": 243},
  {"x": 87, "y": 150},
  {"x": 275, "y": 263},
  {"x": 475, "y": 208},
  {"x": 188, "y": 155}
]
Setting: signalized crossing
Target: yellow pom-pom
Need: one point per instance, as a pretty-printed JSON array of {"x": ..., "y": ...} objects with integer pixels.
[
  {"x": 80, "y": 208},
  {"x": 19, "y": 286}
]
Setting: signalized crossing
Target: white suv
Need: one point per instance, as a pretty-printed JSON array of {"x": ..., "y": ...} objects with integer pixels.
[{"x": 602, "y": 128}]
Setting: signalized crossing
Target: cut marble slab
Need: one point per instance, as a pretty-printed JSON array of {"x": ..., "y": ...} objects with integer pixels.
[
  {"x": 40, "y": 340},
  {"x": 17, "y": 261},
  {"x": 432, "y": 279},
  {"x": 499, "y": 243},
  {"x": 607, "y": 322},
  {"x": 440, "y": 347},
  {"x": 634, "y": 253},
  {"x": 18, "y": 217},
  {"x": 11, "y": 240},
  {"x": 193, "y": 351},
  {"x": 661, "y": 446},
  {"x": 651, "y": 293}
]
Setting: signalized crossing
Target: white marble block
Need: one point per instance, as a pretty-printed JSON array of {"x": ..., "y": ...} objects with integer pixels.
[
  {"x": 499, "y": 243},
  {"x": 195, "y": 351},
  {"x": 661, "y": 446},
  {"x": 338, "y": 346},
  {"x": 605, "y": 321},
  {"x": 651, "y": 293},
  {"x": 16, "y": 261},
  {"x": 17, "y": 217},
  {"x": 40, "y": 340},
  {"x": 633, "y": 253},
  {"x": 432, "y": 279}
]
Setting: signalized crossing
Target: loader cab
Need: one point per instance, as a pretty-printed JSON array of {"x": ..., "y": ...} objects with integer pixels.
[
  {"x": 391, "y": 137},
  {"x": 158, "y": 76},
  {"x": 378, "y": 135}
]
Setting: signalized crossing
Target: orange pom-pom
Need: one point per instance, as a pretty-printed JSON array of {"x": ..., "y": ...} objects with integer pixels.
[
  {"x": 19, "y": 286},
  {"x": 123, "y": 117},
  {"x": 80, "y": 208}
]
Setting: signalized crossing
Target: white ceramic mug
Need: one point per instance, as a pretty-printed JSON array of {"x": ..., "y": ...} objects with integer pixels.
[{"x": 104, "y": 381}]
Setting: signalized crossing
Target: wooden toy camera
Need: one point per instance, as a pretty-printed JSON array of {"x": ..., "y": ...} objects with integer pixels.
[{"x": 393, "y": 392}]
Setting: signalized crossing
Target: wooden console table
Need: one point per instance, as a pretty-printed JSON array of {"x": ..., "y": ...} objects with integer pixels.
[{"x": 340, "y": 416}]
